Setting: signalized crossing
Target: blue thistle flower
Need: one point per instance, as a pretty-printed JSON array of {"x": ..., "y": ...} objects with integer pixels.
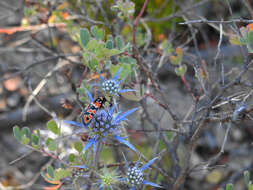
[
  {"x": 107, "y": 125},
  {"x": 112, "y": 86},
  {"x": 135, "y": 175}
]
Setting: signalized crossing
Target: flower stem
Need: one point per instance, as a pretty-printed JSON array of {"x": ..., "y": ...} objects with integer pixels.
[
  {"x": 97, "y": 155},
  {"x": 95, "y": 163}
]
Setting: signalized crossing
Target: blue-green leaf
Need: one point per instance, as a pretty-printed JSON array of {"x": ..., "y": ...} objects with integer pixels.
[
  {"x": 246, "y": 177},
  {"x": 97, "y": 32},
  {"x": 17, "y": 133},
  {"x": 109, "y": 37},
  {"x": 50, "y": 171},
  {"x": 85, "y": 36},
  {"x": 109, "y": 44},
  {"x": 119, "y": 42},
  {"x": 26, "y": 132}
]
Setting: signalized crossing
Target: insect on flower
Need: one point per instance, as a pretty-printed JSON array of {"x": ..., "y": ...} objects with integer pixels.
[{"x": 91, "y": 110}]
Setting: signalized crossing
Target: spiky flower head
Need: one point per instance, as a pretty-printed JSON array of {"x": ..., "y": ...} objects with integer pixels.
[
  {"x": 103, "y": 124},
  {"x": 106, "y": 125},
  {"x": 135, "y": 176},
  {"x": 108, "y": 179},
  {"x": 111, "y": 87}
]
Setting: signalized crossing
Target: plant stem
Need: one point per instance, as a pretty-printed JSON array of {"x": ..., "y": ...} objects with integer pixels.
[{"x": 95, "y": 164}]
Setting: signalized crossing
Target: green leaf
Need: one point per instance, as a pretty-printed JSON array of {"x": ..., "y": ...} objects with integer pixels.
[
  {"x": 78, "y": 146},
  {"x": 127, "y": 59},
  {"x": 83, "y": 99},
  {"x": 126, "y": 70},
  {"x": 246, "y": 177},
  {"x": 181, "y": 70},
  {"x": 35, "y": 139},
  {"x": 25, "y": 140},
  {"x": 97, "y": 33},
  {"x": 86, "y": 57},
  {"x": 91, "y": 46},
  {"x": 58, "y": 174},
  {"x": 51, "y": 144},
  {"x": 52, "y": 126},
  {"x": 17, "y": 133},
  {"x": 119, "y": 42},
  {"x": 113, "y": 52},
  {"x": 101, "y": 51},
  {"x": 250, "y": 187},
  {"x": 93, "y": 64},
  {"x": 109, "y": 37},
  {"x": 229, "y": 186},
  {"x": 61, "y": 173},
  {"x": 26, "y": 132},
  {"x": 80, "y": 91},
  {"x": 166, "y": 46},
  {"x": 50, "y": 171},
  {"x": 72, "y": 158},
  {"x": 37, "y": 131},
  {"x": 250, "y": 37},
  {"x": 85, "y": 36},
  {"x": 175, "y": 60},
  {"x": 109, "y": 44},
  {"x": 220, "y": 188}
]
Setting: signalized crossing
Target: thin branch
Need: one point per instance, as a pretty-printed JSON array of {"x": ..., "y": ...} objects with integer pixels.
[
  {"x": 249, "y": 7},
  {"x": 136, "y": 22},
  {"x": 216, "y": 158},
  {"x": 216, "y": 21},
  {"x": 30, "y": 183},
  {"x": 40, "y": 86},
  {"x": 36, "y": 64},
  {"x": 177, "y": 14},
  {"x": 21, "y": 157},
  {"x": 219, "y": 45}
]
